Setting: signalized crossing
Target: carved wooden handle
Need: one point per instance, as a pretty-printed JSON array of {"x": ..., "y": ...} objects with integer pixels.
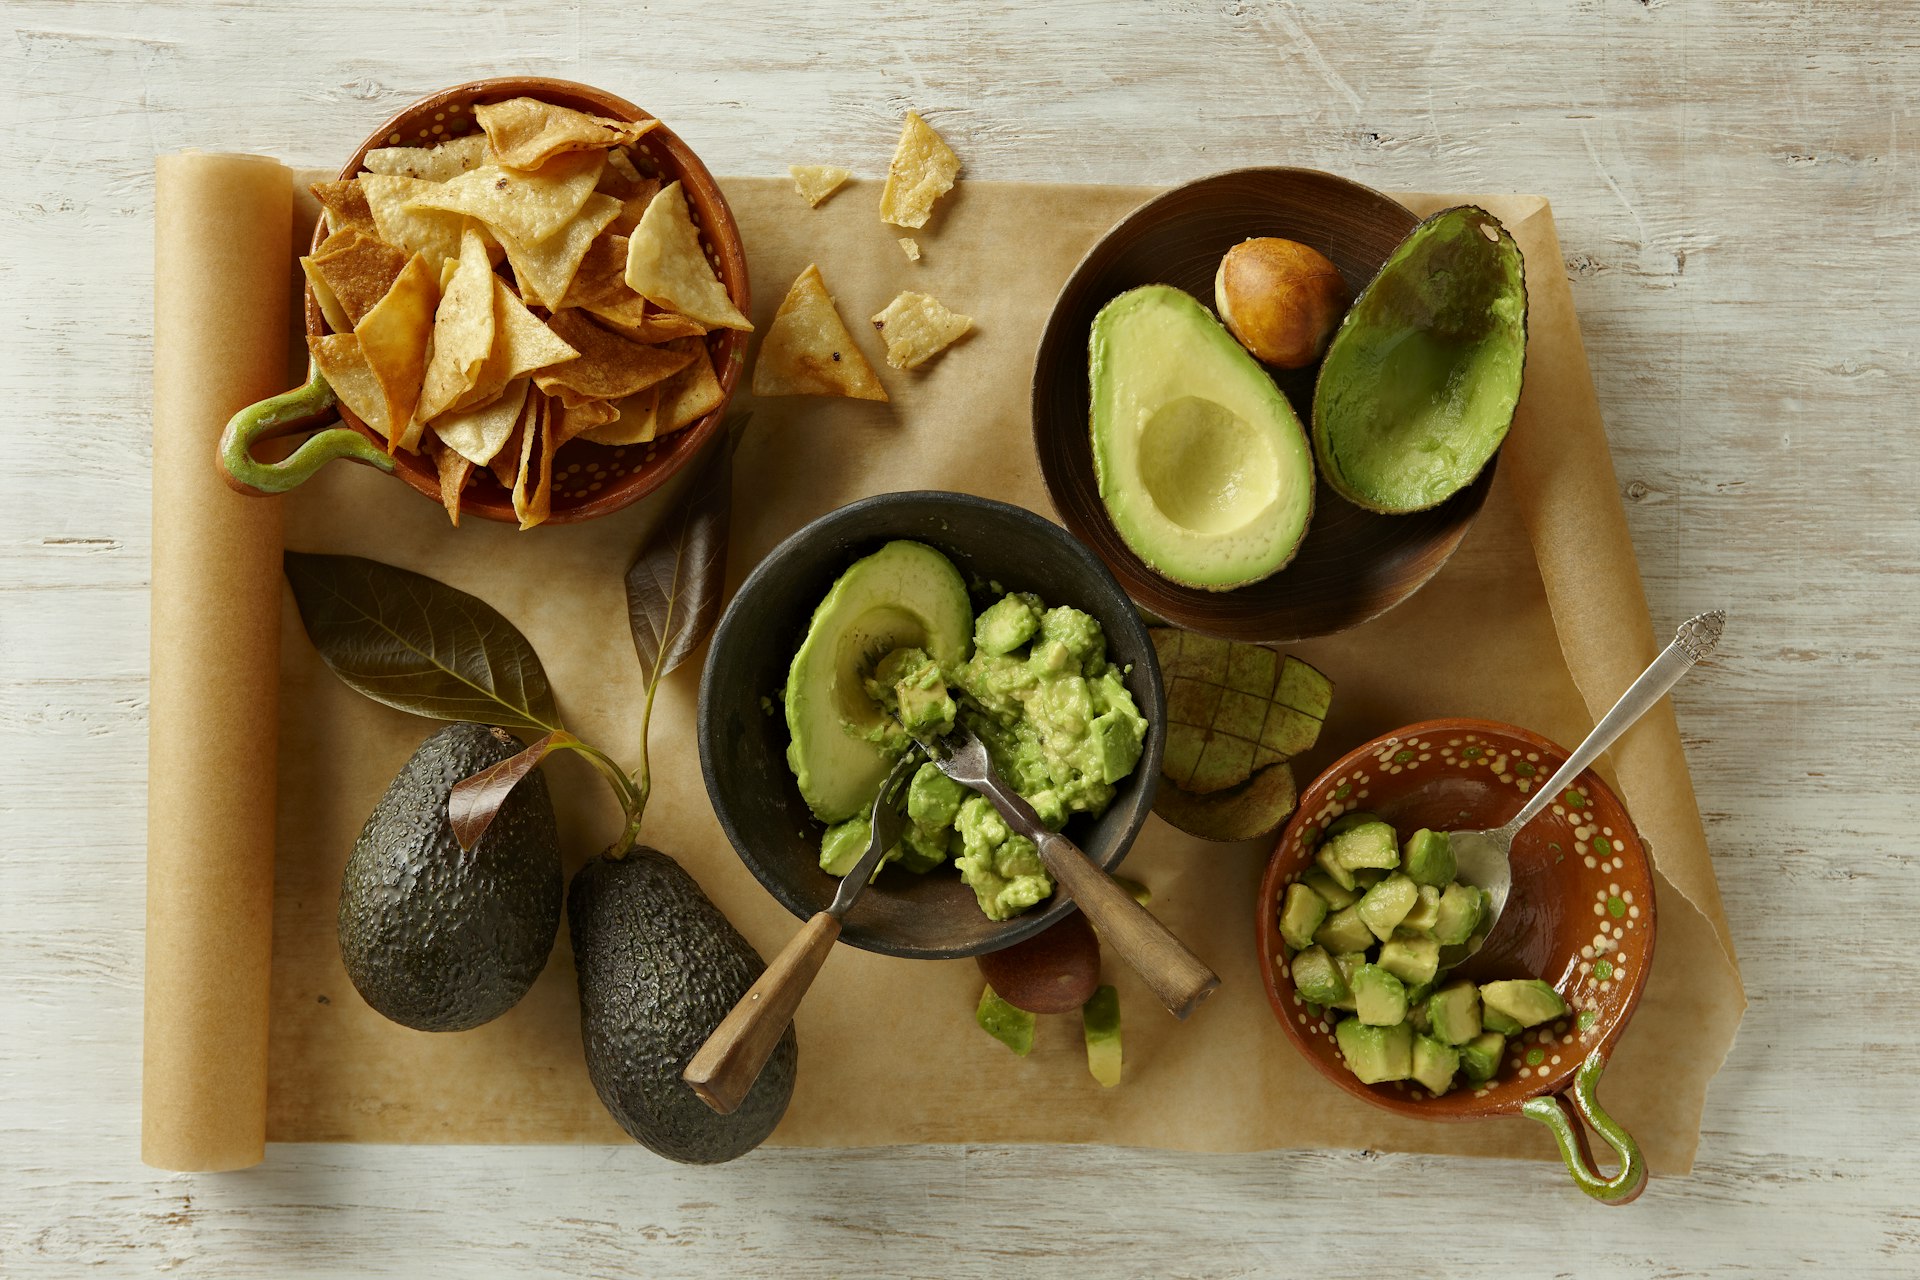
[
  {"x": 734, "y": 1055},
  {"x": 1172, "y": 972}
]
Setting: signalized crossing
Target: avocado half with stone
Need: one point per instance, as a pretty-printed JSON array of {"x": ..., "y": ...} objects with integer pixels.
[
  {"x": 1420, "y": 383},
  {"x": 905, "y": 595},
  {"x": 1201, "y": 463}
]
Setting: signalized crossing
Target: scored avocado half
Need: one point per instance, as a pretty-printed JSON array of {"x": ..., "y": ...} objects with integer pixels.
[
  {"x": 1421, "y": 381},
  {"x": 1202, "y": 464}
]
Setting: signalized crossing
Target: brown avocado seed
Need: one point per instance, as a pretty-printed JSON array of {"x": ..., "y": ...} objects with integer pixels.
[{"x": 1280, "y": 298}]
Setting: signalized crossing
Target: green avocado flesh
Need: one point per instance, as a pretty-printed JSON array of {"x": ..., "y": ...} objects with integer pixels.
[
  {"x": 1421, "y": 380},
  {"x": 1201, "y": 462},
  {"x": 1370, "y": 958},
  {"x": 896, "y": 642}
]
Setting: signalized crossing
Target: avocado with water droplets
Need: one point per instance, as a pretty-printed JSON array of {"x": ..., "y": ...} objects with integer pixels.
[
  {"x": 659, "y": 967},
  {"x": 435, "y": 938}
]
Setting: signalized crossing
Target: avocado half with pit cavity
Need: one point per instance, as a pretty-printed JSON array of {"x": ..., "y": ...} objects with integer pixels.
[
  {"x": 1420, "y": 383},
  {"x": 1202, "y": 464}
]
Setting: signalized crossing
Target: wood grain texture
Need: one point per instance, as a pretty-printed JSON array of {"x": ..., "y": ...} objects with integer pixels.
[{"x": 1733, "y": 188}]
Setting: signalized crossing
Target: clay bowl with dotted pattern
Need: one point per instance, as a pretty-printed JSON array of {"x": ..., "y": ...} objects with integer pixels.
[
  {"x": 1354, "y": 564},
  {"x": 1580, "y": 916},
  {"x": 589, "y": 479}
]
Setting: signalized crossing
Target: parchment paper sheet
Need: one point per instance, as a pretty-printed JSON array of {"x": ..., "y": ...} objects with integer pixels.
[{"x": 888, "y": 1048}]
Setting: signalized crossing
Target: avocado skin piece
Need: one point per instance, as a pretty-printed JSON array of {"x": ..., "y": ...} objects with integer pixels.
[
  {"x": 437, "y": 939},
  {"x": 659, "y": 967}
]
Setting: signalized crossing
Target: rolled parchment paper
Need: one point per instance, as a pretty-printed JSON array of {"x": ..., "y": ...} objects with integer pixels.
[{"x": 223, "y": 227}]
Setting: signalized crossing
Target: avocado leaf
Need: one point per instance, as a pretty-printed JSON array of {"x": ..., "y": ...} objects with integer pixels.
[
  {"x": 1249, "y": 811},
  {"x": 418, "y": 645},
  {"x": 675, "y": 582},
  {"x": 475, "y": 801}
]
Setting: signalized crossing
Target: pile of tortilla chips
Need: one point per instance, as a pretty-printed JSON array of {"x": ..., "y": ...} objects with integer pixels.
[{"x": 500, "y": 294}]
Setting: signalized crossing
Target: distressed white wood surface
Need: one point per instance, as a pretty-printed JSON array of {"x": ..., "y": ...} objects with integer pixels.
[{"x": 1741, "y": 226}]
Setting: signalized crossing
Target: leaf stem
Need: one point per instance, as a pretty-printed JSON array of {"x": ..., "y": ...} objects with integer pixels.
[{"x": 633, "y": 800}]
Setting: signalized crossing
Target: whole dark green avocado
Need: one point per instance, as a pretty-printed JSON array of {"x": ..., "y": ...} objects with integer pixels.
[
  {"x": 435, "y": 938},
  {"x": 659, "y": 968}
]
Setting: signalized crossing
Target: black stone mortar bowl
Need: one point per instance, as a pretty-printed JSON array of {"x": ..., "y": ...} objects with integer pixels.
[{"x": 743, "y": 744}]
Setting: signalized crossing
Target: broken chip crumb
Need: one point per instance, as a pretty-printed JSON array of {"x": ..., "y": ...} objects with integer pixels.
[
  {"x": 815, "y": 182},
  {"x": 910, "y": 247},
  {"x": 923, "y": 170},
  {"x": 917, "y": 328}
]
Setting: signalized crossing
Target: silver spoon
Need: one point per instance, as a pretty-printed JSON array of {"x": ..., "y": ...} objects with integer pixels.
[{"x": 1485, "y": 858}]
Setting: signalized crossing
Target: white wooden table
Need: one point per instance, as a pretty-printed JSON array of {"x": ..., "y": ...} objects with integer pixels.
[{"x": 1737, "y": 201}]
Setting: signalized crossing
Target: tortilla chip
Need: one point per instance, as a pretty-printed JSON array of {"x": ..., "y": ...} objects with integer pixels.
[
  {"x": 434, "y": 232},
  {"x": 545, "y": 270},
  {"x": 610, "y": 366},
  {"x": 337, "y": 356},
  {"x": 667, "y": 266},
  {"x": 454, "y": 472},
  {"x": 358, "y": 269},
  {"x": 654, "y": 327},
  {"x": 533, "y": 487},
  {"x": 692, "y": 393},
  {"x": 394, "y": 337},
  {"x": 600, "y": 284},
  {"x": 479, "y": 434},
  {"x": 506, "y": 463},
  {"x": 633, "y": 207},
  {"x": 639, "y": 415},
  {"x": 621, "y": 178},
  {"x": 917, "y": 328},
  {"x": 577, "y": 419},
  {"x": 808, "y": 351},
  {"x": 815, "y": 182},
  {"x": 345, "y": 203},
  {"x": 527, "y": 206},
  {"x": 521, "y": 344},
  {"x": 910, "y": 247},
  {"x": 526, "y": 132},
  {"x": 462, "y": 332},
  {"x": 330, "y": 309},
  {"x": 922, "y": 171},
  {"x": 429, "y": 164}
]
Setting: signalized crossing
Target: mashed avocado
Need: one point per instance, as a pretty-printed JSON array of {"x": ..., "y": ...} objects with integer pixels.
[{"x": 1055, "y": 716}]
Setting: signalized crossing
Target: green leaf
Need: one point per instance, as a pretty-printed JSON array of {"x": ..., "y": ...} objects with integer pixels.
[
  {"x": 418, "y": 645},
  {"x": 675, "y": 582},
  {"x": 1234, "y": 709},
  {"x": 1253, "y": 809}
]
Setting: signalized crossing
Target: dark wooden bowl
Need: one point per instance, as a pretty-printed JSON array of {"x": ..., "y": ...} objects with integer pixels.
[
  {"x": 743, "y": 745},
  {"x": 588, "y": 479},
  {"x": 1354, "y": 565},
  {"x": 1579, "y": 918}
]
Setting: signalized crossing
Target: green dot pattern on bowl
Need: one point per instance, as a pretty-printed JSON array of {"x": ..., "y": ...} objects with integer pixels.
[{"x": 1542, "y": 1050}]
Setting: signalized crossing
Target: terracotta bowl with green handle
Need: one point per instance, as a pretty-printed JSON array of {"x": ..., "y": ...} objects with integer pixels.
[
  {"x": 589, "y": 479},
  {"x": 1580, "y": 917}
]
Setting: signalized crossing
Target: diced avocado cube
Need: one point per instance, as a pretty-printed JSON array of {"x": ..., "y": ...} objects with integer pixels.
[
  {"x": 1428, "y": 858},
  {"x": 1418, "y": 993},
  {"x": 1348, "y": 963},
  {"x": 922, "y": 850},
  {"x": 1006, "y": 626},
  {"x": 1417, "y": 1017},
  {"x": 1426, "y": 911},
  {"x": 933, "y": 799},
  {"x": 1051, "y": 807},
  {"x": 1010, "y": 1026},
  {"x": 1528, "y": 1001},
  {"x": 1455, "y": 1010},
  {"x": 1141, "y": 894},
  {"x": 1434, "y": 1064},
  {"x": 1317, "y": 978},
  {"x": 1458, "y": 913},
  {"x": 843, "y": 844},
  {"x": 1348, "y": 821},
  {"x": 1329, "y": 864},
  {"x": 1337, "y": 895},
  {"x": 1412, "y": 960},
  {"x": 1344, "y": 930},
  {"x": 1480, "y": 1056},
  {"x": 1367, "y": 877},
  {"x": 1379, "y": 998},
  {"x": 1301, "y": 913},
  {"x": 1376, "y": 1054},
  {"x": 1499, "y": 1023},
  {"x": 1100, "y": 1021},
  {"x": 1117, "y": 734},
  {"x": 1371, "y": 844},
  {"x": 1386, "y": 905}
]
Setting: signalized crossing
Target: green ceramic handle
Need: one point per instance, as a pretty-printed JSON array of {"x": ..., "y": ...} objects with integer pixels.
[
  {"x": 1562, "y": 1117},
  {"x": 285, "y": 414}
]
